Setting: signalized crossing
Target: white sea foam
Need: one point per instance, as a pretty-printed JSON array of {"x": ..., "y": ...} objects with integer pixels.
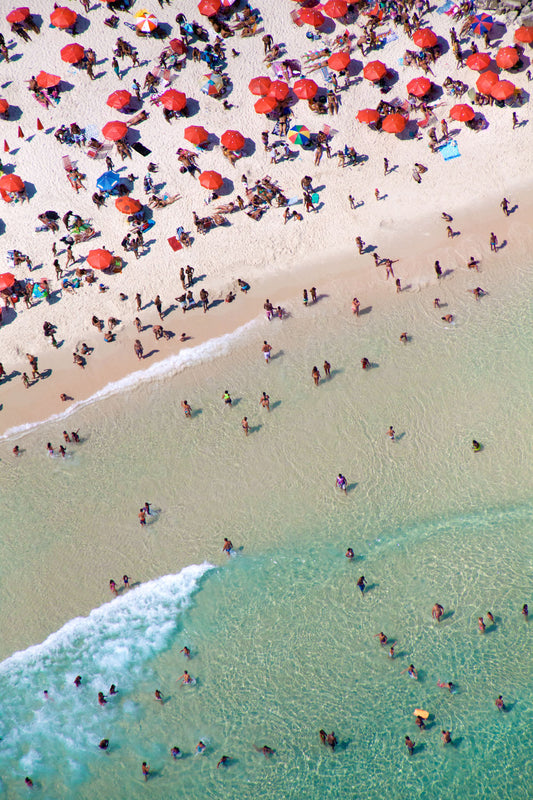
[
  {"x": 113, "y": 644},
  {"x": 189, "y": 357}
]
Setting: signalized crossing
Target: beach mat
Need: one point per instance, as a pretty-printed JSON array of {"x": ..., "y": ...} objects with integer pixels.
[
  {"x": 141, "y": 149},
  {"x": 450, "y": 150},
  {"x": 175, "y": 243}
]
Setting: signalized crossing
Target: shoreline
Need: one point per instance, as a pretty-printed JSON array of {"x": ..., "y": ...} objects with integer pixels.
[{"x": 29, "y": 408}]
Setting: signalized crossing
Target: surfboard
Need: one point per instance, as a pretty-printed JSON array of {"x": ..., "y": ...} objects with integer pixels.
[{"x": 419, "y": 712}]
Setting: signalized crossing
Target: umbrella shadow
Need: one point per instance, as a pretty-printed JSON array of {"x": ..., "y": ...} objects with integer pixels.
[
  {"x": 82, "y": 25},
  {"x": 226, "y": 188},
  {"x": 249, "y": 147},
  {"x": 15, "y": 113},
  {"x": 193, "y": 107}
]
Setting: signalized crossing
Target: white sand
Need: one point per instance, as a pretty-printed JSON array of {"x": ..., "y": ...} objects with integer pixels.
[{"x": 493, "y": 162}]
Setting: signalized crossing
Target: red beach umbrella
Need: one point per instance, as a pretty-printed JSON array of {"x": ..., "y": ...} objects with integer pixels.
[
  {"x": 211, "y": 180},
  {"x": 279, "y": 90},
  {"x": 7, "y": 279},
  {"x": 265, "y": 105},
  {"x": 178, "y": 46},
  {"x": 119, "y": 99},
  {"x": 40, "y": 125},
  {"x": 208, "y": 7},
  {"x": 524, "y": 34},
  {"x": 260, "y": 86},
  {"x": 419, "y": 86},
  {"x": 424, "y": 37},
  {"x": 11, "y": 183},
  {"x": 462, "y": 112},
  {"x": 18, "y": 15},
  {"x": 4, "y": 105},
  {"x": 46, "y": 81},
  {"x": 72, "y": 53},
  {"x": 485, "y": 81},
  {"x": 195, "y": 134},
  {"x": 115, "y": 130},
  {"x": 128, "y": 205},
  {"x": 374, "y": 71},
  {"x": 173, "y": 100},
  {"x": 311, "y": 16},
  {"x": 336, "y": 8},
  {"x": 63, "y": 17},
  {"x": 232, "y": 140},
  {"x": 339, "y": 61},
  {"x": 100, "y": 259},
  {"x": 368, "y": 115},
  {"x": 394, "y": 123},
  {"x": 478, "y": 61},
  {"x": 305, "y": 89},
  {"x": 506, "y": 57},
  {"x": 502, "y": 90}
]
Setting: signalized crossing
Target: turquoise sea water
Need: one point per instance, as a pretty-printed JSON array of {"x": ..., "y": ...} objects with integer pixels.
[{"x": 282, "y": 642}]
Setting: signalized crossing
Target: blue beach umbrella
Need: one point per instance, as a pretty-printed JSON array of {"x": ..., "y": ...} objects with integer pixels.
[
  {"x": 108, "y": 181},
  {"x": 481, "y": 23}
]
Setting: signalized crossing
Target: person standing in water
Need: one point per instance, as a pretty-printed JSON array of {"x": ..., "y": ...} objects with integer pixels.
[
  {"x": 437, "y": 611},
  {"x": 245, "y": 426},
  {"x": 341, "y": 482},
  {"x": 315, "y": 375},
  {"x": 361, "y": 584},
  {"x": 265, "y": 401},
  {"x": 186, "y": 408},
  {"x": 410, "y": 745}
]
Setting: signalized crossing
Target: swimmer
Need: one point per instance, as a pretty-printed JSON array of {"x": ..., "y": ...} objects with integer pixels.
[
  {"x": 224, "y": 762},
  {"x": 103, "y": 744},
  {"x": 449, "y": 686},
  {"x": 75, "y": 437},
  {"x": 186, "y": 408},
  {"x": 525, "y": 611},
  {"x": 186, "y": 652},
  {"x": 437, "y": 611},
  {"x": 500, "y": 705},
  {"x": 101, "y": 699},
  {"x": 175, "y": 752},
  {"x": 411, "y": 671},
  {"x": 323, "y": 736},
  {"x": 349, "y": 553},
  {"x": 390, "y": 433},
  {"x": 446, "y": 737},
  {"x": 391, "y": 650},
  {"x": 146, "y": 508},
  {"x": 265, "y": 401},
  {"x": 159, "y": 696},
  {"x": 245, "y": 426},
  {"x": 447, "y": 318},
  {"x": 382, "y": 639},
  {"x": 183, "y": 337},
  {"x": 185, "y": 679},
  {"x": 62, "y": 451},
  {"x": 268, "y": 751},
  {"x": 200, "y": 748},
  {"x": 28, "y": 782},
  {"x": 315, "y": 374},
  {"x": 16, "y": 451},
  {"x": 476, "y": 447},
  {"x": 410, "y": 745},
  {"x": 77, "y": 681},
  {"x": 45, "y": 693},
  {"x": 420, "y": 722},
  {"x": 113, "y": 689},
  {"x": 481, "y": 624},
  {"x": 446, "y": 217},
  {"x": 146, "y": 770},
  {"x": 331, "y": 739},
  {"x": 361, "y": 584},
  {"x": 341, "y": 483},
  {"x": 227, "y": 547},
  {"x": 66, "y": 437},
  {"x": 266, "y": 350},
  {"x": 365, "y": 363},
  {"x": 50, "y": 449},
  {"x": 491, "y": 618}
]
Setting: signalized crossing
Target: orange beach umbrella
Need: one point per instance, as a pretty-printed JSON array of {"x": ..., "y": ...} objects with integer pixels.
[
  {"x": 208, "y": 7},
  {"x": 424, "y": 37},
  {"x": 507, "y": 57},
  {"x": 118, "y": 99},
  {"x": 336, "y": 8},
  {"x": 211, "y": 180},
  {"x": 394, "y": 123},
  {"x": 11, "y": 183},
  {"x": 232, "y": 140},
  {"x": 265, "y": 105},
  {"x": 128, "y": 205},
  {"x": 7, "y": 279},
  {"x": 419, "y": 86},
  {"x": 485, "y": 81},
  {"x": 279, "y": 90},
  {"x": 462, "y": 112},
  {"x": 72, "y": 53},
  {"x": 18, "y": 15},
  {"x": 339, "y": 61},
  {"x": 478, "y": 61},
  {"x": 115, "y": 130},
  {"x": 63, "y": 17},
  {"x": 195, "y": 134},
  {"x": 305, "y": 89},
  {"x": 374, "y": 70},
  {"x": 312, "y": 16},
  {"x": 368, "y": 115},
  {"x": 100, "y": 259},
  {"x": 4, "y": 105},
  {"x": 173, "y": 100},
  {"x": 502, "y": 90},
  {"x": 260, "y": 86},
  {"x": 524, "y": 34},
  {"x": 46, "y": 81}
]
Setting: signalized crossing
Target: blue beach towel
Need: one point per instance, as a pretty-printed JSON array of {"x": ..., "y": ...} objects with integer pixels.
[
  {"x": 450, "y": 150},
  {"x": 446, "y": 7}
]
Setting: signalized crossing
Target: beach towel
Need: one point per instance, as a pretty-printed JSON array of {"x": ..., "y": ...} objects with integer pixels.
[
  {"x": 130, "y": 26},
  {"x": 444, "y": 8},
  {"x": 141, "y": 149},
  {"x": 450, "y": 150},
  {"x": 293, "y": 201},
  {"x": 326, "y": 73},
  {"x": 175, "y": 243},
  {"x": 391, "y": 36}
]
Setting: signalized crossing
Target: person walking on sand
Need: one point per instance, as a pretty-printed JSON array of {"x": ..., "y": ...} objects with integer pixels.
[
  {"x": 493, "y": 242},
  {"x": 265, "y": 401},
  {"x": 159, "y": 306},
  {"x": 315, "y": 375},
  {"x": 376, "y": 194},
  {"x": 266, "y": 350},
  {"x": 245, "y": 426},
  {"x": 438, "y": 270},
  {"x": 70, "y": 257},
  {"x": 186, "y": 408},
  {"x": 390, "y": 433},
  {"x": 398, "y": 286},
  {"x": 327, "y": 369},
  {"x": 355, "y": 306},
  {"x": 505, "y": 206},
  {"x": 352, "y": 202},
  {"x": 138, "y": 301},
  {"x": 360, "y": 244},
  {"x": 385, "y": 166},
  {"x": 139, "y": 352}
]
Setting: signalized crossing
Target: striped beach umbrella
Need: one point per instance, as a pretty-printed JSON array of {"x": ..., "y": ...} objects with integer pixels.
[
  {"x": 147, "y": 23},
  {"x": 299, "y": 134},
  {"x": 481, "y": 23},
  {"x": 211, "y": 83}
]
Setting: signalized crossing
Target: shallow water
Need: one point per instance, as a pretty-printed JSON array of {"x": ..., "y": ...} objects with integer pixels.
[{"x": 282, "y": 641}]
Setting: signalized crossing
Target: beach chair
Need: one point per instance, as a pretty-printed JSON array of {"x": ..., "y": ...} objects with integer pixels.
[
  {"x": 295, "y": 16},
  {"x": 67, "y": 163}
]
